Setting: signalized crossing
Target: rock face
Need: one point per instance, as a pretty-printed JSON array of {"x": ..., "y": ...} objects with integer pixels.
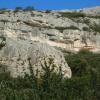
[
  {"x": 91, "y": 11},
  {"x": 35, "y": 34},
  {"x": 16, "y": 52},
  {"x": 71, "y": 30}
]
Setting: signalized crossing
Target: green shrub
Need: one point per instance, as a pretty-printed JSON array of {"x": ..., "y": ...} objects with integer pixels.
[
  {"x": 94, "y": 16},
  {"x": 61, "y": 29},
  {"x": 95, "y": 27},
  {"x": 86, "y": 21},
  {"x": 86, "y": 29},
  {"x": 84, "y": 51},
  {"x": 3, "y": 11},
  {"x": 40, "y": 15},
  {"x": 3, "y": 42},
  {"x": 29, "y": 8},
  {"x": 47, "y": 11},
  {"x": 17, "y": 9},
  {"x": 84, "y": 85},
  {"x": 72, "y": 14}
]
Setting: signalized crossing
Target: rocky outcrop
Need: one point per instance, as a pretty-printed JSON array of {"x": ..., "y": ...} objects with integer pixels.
[
  {"x": 16, "y": 53},
  {"x": 66, "y": 29},
  {"x": 35, "y": 34},
  {"x": 91, "y": 11}
]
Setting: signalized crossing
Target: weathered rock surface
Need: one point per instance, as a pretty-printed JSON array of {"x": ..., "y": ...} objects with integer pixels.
[
  {"x": 54, "y": 27},
  {"x": 92, "y": 11},
  {"x": 16, "y": 53},
  {"x": 32, "y": 33}
]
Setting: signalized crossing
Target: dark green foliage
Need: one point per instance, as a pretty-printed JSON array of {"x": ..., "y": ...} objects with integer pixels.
[
  {"x": 61, "y": 29},
  {"x": 84, "y": 85},
  {"x": 73, "y": 27},
  {"x": 47, "y": 11},
  {"x": 95, "y": 27},
  {"x": 86, "y": 21},
  {"x": 86, "y": 69},
  {"x": 3, "y": 42},
  {"x": 72, "y": 14},
  {"x": 4, "y": 21},
  {"x": 29, "y": 8},
  {"x": 3, "y": 10},
  {"x": 86, "y": 29},
  {"x": 32, "y": 14},
  {"x": 40, "y": 15},
  {"x": 77, "y": 15},
  {"x": 95, "y": 16},
  {"x": 17, "y": 9}
]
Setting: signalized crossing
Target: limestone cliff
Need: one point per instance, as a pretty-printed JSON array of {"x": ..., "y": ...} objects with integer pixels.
[
  {"x": 66, "y": 29},
  {"x": 30, "y": 32}
]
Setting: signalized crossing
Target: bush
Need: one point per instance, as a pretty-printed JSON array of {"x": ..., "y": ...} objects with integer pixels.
[
  {"x": 61, "y": 29},
  {"x": 3, "y": 11},
  {"x": 47, "y": 11},
  {"x": 84, "y": 85},
  {"x": 29, "y": 8},
  {"x": 72, "y": 14},
  {"x": 17, "y": 9},
  {"x": 86, "y": 29},
  {"x": 86, "y": 21},
  {"x": 84, "y": 51},
  {"x": 3, "y": 42},
  {"x": 95, "y": 27}
]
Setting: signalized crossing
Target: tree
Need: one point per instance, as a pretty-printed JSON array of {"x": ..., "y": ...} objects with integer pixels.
[
  {"x": 29, "y": 8},
  {"x": 17, "y": 9},
  {"x": 3, "y": 42}
]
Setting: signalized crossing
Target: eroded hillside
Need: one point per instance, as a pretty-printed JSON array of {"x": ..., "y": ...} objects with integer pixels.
[
  {"x": 66, "y": 29},
  {"x": 35, "y": 34}
]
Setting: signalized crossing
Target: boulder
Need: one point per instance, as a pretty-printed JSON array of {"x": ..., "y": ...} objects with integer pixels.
[{"x": 16, "y": 52}]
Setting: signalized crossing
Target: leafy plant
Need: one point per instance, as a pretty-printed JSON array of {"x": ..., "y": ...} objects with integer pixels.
[
  {"x": 86, "y": 29},
  {"x": 3, "y": 42},
  {"x": 29, "y": 8},
  {"x": 61, "y": 29},
  {"x": 84, "y": 85},
  {"x": 17, "y": 9},
  {"x": 95, "y": 27},
  {"x": 72, "y": 14}
]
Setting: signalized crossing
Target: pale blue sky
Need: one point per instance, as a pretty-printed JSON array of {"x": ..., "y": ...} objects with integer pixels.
[{"x": 50, "y": 4}]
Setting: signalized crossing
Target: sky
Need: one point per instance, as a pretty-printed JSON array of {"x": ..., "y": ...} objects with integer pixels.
[{"x": 50, "y": 4}]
